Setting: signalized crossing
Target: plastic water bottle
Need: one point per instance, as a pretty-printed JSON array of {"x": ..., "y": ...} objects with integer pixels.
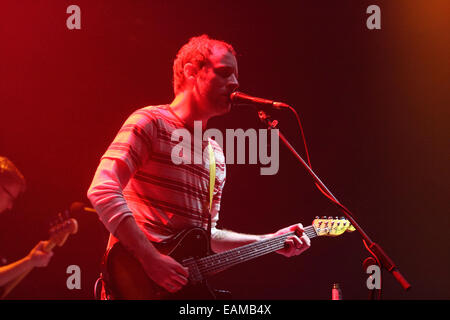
[{"x": 336, "y": 292}]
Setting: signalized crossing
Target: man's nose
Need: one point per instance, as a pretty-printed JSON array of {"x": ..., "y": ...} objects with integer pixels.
[{"x": 233, "y": 83}]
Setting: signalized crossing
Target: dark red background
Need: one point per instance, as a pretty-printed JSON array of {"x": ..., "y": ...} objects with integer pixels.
[{"x": 374, "y": 106}]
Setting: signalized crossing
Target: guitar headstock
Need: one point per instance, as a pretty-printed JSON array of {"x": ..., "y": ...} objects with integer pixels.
[
  {"x": 61, "y": 231},
  {"x": 332, "y": 227}
]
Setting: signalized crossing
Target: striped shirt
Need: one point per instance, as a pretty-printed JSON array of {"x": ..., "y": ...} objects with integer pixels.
[{"x": 164, "y": 198}]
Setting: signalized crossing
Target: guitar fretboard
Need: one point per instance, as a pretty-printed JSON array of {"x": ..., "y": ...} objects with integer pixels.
[{"x": 218, "y": 262}]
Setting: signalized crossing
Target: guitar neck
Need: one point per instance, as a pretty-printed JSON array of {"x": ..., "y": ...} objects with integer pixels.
[
  {"x": 49, "y": 246},
  {"x": 218, "y": 262}
]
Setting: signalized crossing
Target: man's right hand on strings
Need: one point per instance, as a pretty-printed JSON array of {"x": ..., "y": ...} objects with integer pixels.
[{"x": 166, "y": 272}]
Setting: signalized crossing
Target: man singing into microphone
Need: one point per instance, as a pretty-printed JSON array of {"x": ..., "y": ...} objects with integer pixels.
[
  {"x": 142, "y": 197},
  {"x": 12, "y": 183}
]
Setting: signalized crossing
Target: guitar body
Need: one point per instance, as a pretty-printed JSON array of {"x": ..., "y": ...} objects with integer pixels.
[{"x": 127, "y": 280}]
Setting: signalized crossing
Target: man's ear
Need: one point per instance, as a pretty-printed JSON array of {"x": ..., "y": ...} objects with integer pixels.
[{"x": 190, "y": 72}]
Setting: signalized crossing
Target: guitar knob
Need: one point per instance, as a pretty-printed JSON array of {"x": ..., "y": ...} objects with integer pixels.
[{"x": 324, "y": 217}]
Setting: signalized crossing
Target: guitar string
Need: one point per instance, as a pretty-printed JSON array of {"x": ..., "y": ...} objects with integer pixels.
[
  {"x": 252, "y": 246},
  {"x": 250, "y": 251},
  {"x": 247, "y": 255},
  {"x": 261, "y": 248},
  {"x": 228, "y": 263},
  {"x": 233, "y": 262},
  {"x": 228, "y": 257}
]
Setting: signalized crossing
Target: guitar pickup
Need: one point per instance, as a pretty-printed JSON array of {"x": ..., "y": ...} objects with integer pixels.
[{"x": 195, "y": 275}]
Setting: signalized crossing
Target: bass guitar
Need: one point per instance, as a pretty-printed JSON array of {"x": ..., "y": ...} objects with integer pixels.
[{"x": 126, "y": 279}]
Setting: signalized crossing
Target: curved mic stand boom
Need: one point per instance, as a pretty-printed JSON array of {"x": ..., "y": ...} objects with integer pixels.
[{"x": 381, "y": 257}]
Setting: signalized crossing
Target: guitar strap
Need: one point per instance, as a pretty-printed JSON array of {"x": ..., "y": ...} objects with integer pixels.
[{"x": 212, "y": 180}]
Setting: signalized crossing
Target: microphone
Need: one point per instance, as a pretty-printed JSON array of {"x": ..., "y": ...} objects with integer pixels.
[
  {"x": 241, "y": 98},
  {"x": 80, "y": 207}
]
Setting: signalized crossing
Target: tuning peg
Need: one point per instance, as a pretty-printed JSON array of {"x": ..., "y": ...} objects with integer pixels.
[
  {"x": 324, "y": 217},
  {"x": 317, "y": 217}
]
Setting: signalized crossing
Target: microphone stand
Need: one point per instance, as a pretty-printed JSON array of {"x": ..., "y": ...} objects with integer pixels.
[{"x": 375, "y": 249}]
